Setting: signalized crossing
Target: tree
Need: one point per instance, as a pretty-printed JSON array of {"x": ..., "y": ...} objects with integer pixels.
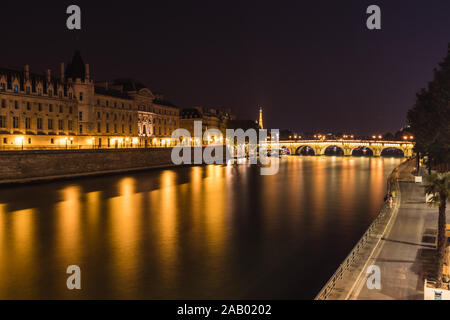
[
  {"x": 429, "y": 119},
  {"x": 438, "y": 186}
]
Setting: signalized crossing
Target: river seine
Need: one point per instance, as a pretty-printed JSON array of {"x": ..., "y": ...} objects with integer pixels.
[{"x": 212, "y": 232}]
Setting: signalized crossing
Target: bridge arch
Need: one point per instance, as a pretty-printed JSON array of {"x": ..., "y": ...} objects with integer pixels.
[
  {"x": 362, "y": 151},
  {"x": 305, "y": 151},
  {"x": 285, "y": 150},
  {"x": 333, "y": 150},
  {"x": 392, "y": 152}
]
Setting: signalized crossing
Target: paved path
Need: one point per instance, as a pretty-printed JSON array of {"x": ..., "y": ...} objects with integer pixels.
[{"x": 405, "y": 253}]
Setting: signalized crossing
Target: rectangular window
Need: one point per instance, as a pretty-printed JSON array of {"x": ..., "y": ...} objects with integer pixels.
[
  {"x": 2, "y": 121},
  {"x": 99, "y": 128},
  {"x": 16, "y": 104},
  {"x": 80, "y": 116},
  {"x": 60, "y": 109},
  {"x": 15, "y": 122},
  {"x": 28, "y": 106},
  {"x": 27, "y": 123},
  {"x": 50, "y": 124},
  {"x": 81, "y": 128},
  {"x": 115, "y": 128},
  {"x": 60, "y": 124},
  {"x": 40, "y": 106},
  {"x": 70, "y": 125},
  {"x": 70, "y": 110},
  {"x": 107, "y": 128},
  {"x": 81, "y": 96},
  {"x": 50, "y": 108},
  {"x": 3, "y": 103},
  {"x": 39, "y": 123}
]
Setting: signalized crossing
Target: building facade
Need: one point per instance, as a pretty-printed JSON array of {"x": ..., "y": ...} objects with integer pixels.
[
  {"x": 211, "y": 119},
  {"x": 36, "y": 110},
  {"x": 72, "y": 111}
]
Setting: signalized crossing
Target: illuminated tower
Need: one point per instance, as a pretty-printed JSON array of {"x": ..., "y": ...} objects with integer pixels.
[{"x": 260, "y": 122}]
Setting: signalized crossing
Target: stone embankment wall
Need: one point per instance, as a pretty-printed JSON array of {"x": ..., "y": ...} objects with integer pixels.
[{"x": 41, "y": 165}]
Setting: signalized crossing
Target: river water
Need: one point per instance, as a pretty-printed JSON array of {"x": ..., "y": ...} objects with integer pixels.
[{"x": 213, "y": 232}]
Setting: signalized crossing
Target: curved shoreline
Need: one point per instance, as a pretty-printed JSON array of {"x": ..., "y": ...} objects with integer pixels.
[{"x": 342, "y": 283}]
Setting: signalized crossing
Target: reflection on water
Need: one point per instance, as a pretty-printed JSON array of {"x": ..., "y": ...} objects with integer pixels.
[{"x": 199, "y": 232}]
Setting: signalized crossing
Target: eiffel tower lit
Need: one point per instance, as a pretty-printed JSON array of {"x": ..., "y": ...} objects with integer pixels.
[{"x": 260, "y": 122}]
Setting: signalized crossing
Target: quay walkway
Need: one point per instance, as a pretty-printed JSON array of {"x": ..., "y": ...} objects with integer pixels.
[{"x": 401, "y": 244}]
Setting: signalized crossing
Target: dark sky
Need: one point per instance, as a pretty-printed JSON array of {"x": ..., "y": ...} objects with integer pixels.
[{"x": 312, "y": 65}]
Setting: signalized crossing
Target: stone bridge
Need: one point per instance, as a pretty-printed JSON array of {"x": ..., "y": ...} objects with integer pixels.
[{"x": 347, "y": 146}]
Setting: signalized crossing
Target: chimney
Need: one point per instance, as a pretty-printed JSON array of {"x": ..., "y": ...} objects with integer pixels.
[
  {"x": 87, "y": 76},
  {"x": 62, "y": 71},
  {"x": 27, "y": 71},
  {"x": 49, "y": 75}
]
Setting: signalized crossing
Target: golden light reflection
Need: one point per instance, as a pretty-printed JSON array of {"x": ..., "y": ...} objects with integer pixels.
[
  {"x": 21, "y": 249},
  {"x": 214, "y": 213},
  {"x": 164, "y": 202},
  {"x": 68, "y": 216},
  {"x": 376, "y": 184},
  {"x": 270, "y": 188},
  {"x": 347, "y": 186},
  {"x": 93, "y": 211},
  {"x": 125, "y": 213},
  {"x": 319, "y": 191},
  {"x": 296, "y": 190}
]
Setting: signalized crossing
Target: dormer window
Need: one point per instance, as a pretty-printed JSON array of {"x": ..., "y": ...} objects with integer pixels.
[
  {"x": 28, "y": 90},
  {"x": 50, "y": 93},
  {"x": 2, "y": 86},
  {"x": 16, "y": 89},
  {"x": 60, "y": 94}
]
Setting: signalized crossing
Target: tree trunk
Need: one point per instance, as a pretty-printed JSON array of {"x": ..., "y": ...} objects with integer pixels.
[{"x": 442, "y": 239}]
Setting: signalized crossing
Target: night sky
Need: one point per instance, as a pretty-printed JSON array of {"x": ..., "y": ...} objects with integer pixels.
[{"x": 312, "y": 65}]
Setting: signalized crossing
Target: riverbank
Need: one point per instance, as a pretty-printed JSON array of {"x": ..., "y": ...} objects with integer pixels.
[
  {"x": 349, "y": 279},
  {"x": 20, "y": 167}
]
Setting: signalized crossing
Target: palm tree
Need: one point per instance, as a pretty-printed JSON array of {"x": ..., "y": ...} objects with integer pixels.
[{"x": 438, "y": 186}]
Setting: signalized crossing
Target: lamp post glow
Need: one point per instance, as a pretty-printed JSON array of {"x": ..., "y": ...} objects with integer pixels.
[{"x": 19, "y": 141}]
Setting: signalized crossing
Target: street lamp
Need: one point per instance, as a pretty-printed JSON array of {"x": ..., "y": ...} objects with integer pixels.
[{"x": 19, "y": 141}]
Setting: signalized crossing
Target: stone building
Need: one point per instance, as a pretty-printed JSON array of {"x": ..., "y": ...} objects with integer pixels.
[
  {"x": 157, "y": 118},
  {"x": 36, "y": 110},
  {"x": 71, "y": 110},
  {"x": 210, "y": 118}
]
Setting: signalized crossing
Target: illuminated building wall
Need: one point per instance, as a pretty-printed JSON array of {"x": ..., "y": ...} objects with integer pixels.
[{"x": 72, "y": 111}]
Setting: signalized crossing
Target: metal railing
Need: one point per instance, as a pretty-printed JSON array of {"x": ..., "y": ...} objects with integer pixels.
[{"x": 348, "y": 261}]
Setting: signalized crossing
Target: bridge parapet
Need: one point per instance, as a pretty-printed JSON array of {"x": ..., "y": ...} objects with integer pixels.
[{"x": 348, "y": 146}]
